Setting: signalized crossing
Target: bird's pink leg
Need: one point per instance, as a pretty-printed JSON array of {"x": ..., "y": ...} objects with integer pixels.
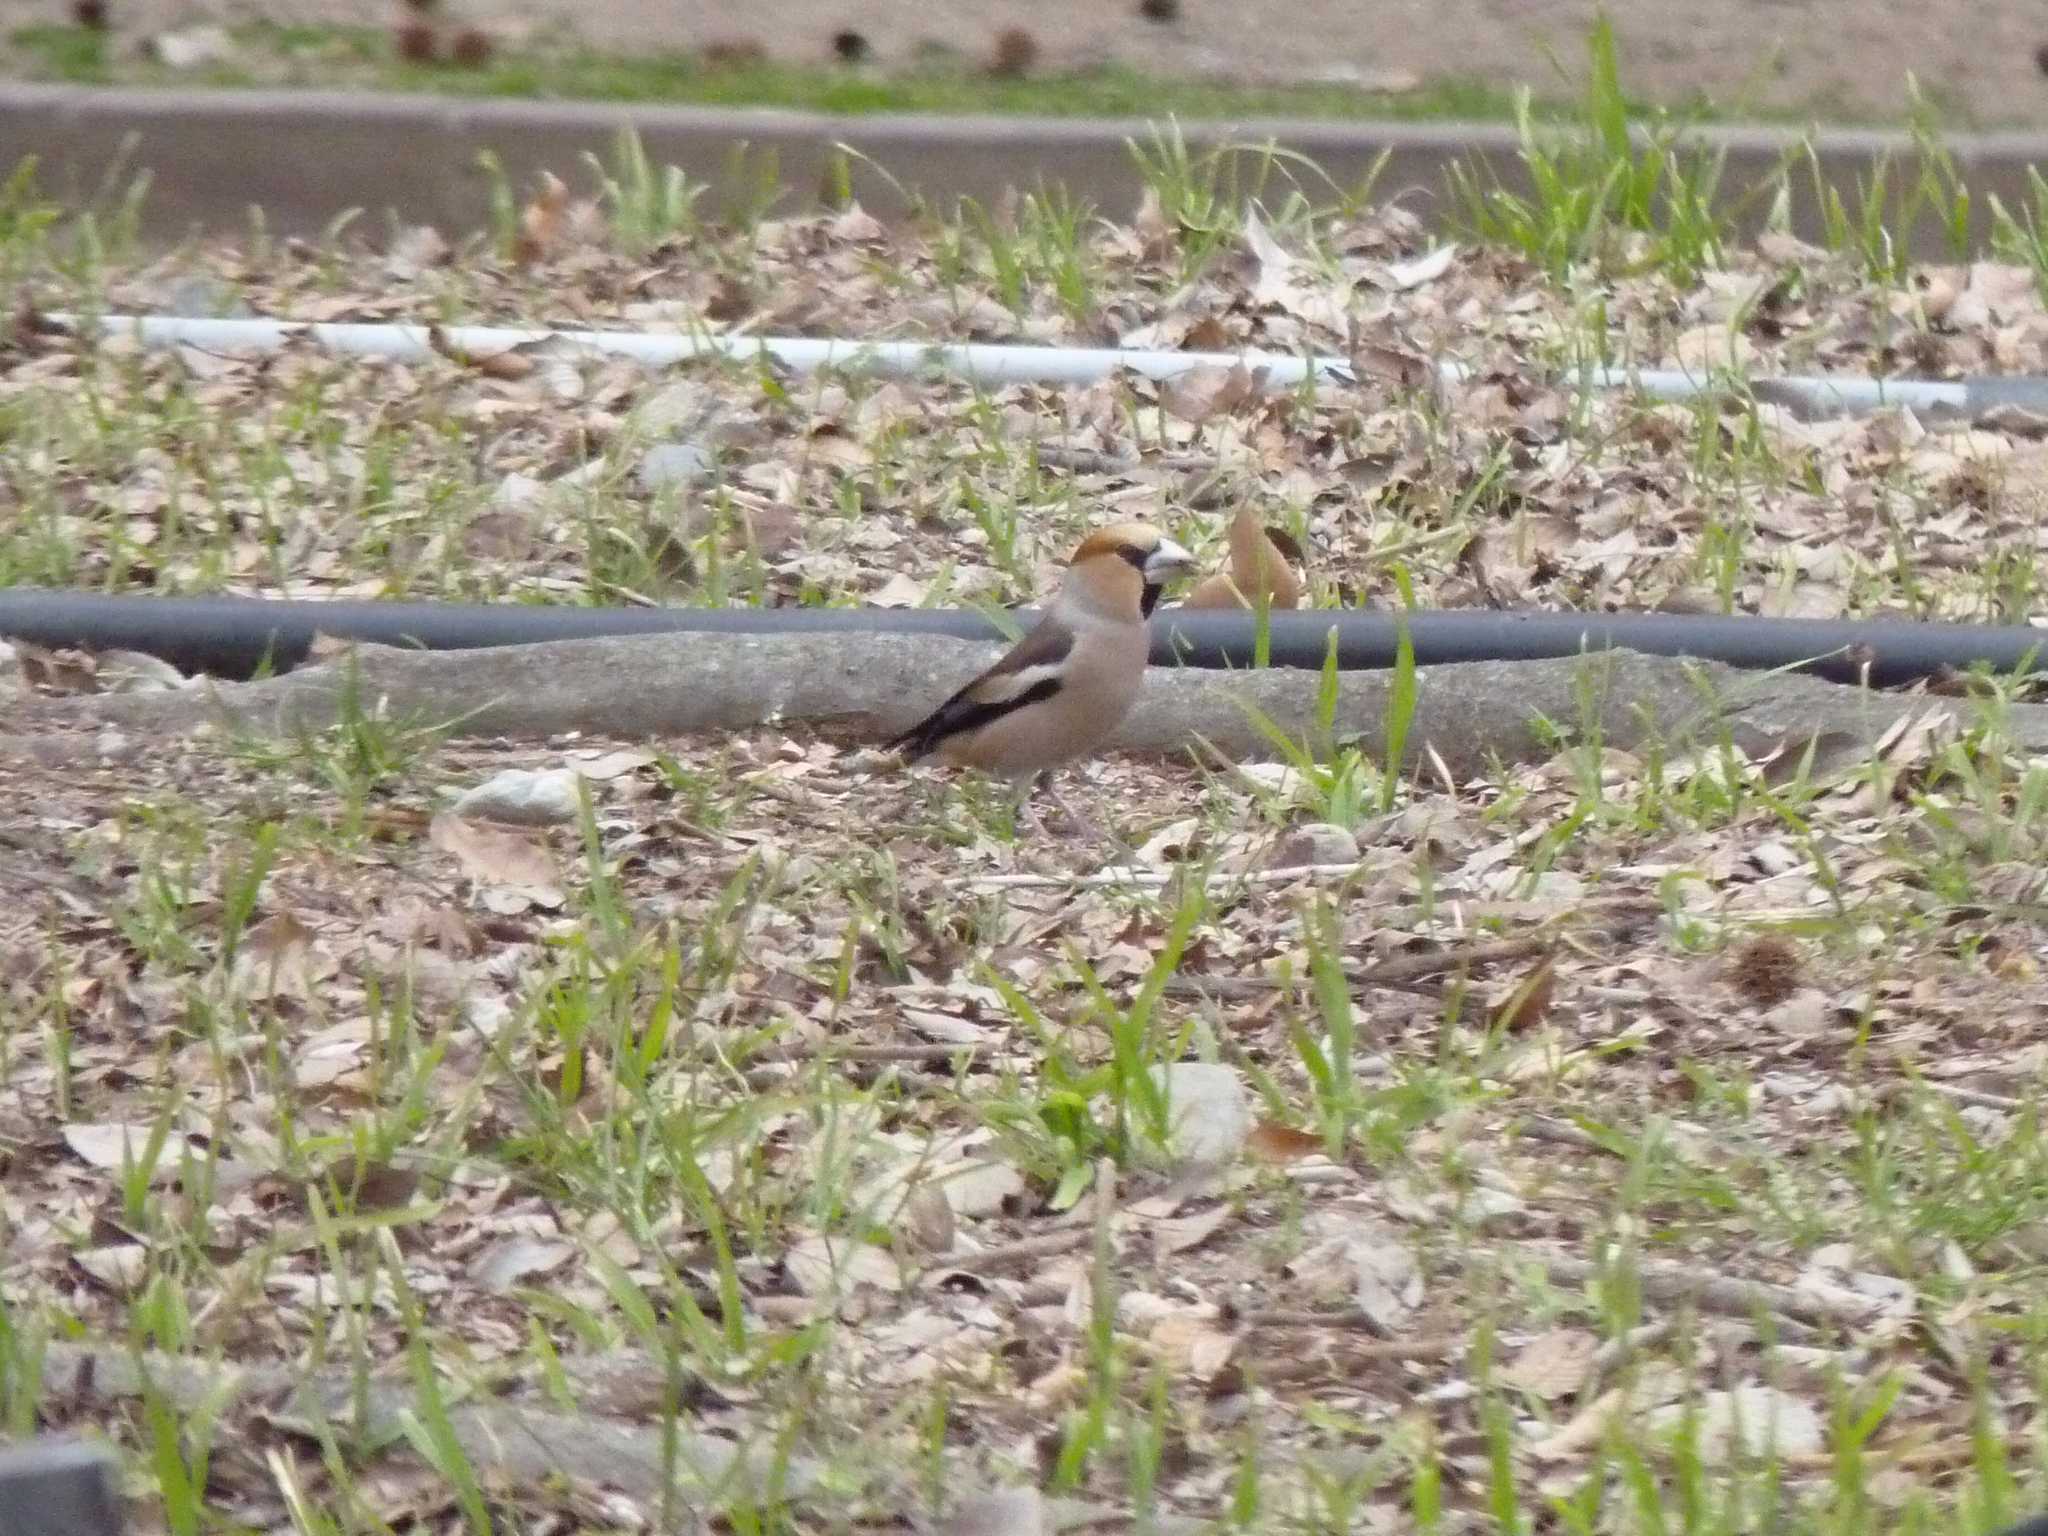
[
  {"x": 1080, "y": 821},
  {"x": 1023, "y": 814}
]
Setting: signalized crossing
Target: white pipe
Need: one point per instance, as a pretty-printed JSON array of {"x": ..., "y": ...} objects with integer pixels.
[{"x": 992, "y": 364}]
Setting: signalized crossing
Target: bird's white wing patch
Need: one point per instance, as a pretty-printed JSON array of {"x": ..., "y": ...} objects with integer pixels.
[{"x": 1000, "y": 686}]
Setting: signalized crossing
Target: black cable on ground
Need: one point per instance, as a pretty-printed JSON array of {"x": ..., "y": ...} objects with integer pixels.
[{"x": 236, "y": 637}]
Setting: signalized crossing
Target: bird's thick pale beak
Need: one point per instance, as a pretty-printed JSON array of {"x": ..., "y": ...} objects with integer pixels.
[{"x": 1166, "y": 562}]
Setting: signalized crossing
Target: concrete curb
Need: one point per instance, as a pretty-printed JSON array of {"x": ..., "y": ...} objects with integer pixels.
[
  {"x": 306, "y": 156},
  {"x": 54, "y": 1486}
]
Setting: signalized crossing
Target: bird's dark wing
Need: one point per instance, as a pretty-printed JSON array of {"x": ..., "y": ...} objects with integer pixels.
[{"x": 1029, "y": 673}]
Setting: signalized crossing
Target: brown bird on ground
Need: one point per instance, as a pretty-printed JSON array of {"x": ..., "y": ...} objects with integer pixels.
[
  {"x": 1260, "y": 568},
  {"x": 1064, "y": 688}
]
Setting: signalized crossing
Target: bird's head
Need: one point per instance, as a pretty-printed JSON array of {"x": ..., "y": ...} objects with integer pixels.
[{"x": 1125, "y": 566}]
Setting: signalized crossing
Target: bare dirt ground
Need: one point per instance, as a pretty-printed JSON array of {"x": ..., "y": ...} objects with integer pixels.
[{"x": 1838, "y": 57}]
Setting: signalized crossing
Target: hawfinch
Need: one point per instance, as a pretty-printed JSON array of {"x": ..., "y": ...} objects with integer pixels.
[
  {"x": 1259, "y": 569},
  {"x": 1066, "y": 686}
]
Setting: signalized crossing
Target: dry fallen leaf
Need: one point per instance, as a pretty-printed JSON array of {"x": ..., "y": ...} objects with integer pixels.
[
  {"x": 277, "y": 958},
  {"x": 1271, "y": 1142},
  {"x": 542, "y": 221},
  {"x": 413, "y": 920},
  {"x": 510, "y": 1260},
  {"x": 134, "y": 672},
  {"x": 1807, "y": 1013},
  {"x": 493, "y": 855},
  {"x": 511, "y": 363},
  {"x": 1309, "y": 843},
  {"x": 331, "y": 1057},
  {"x": 60, "y": 671},
  {"x": 1404, "y": 369},
  {"x": 1388, "y": 1280},
  {"x": 1529, "y": 1003},
  {"x": 1205, "y": 392},
  {"x": 1177, "y": 1234},
  {"x": 1713, "y": 348},
  {"x": 120, "y": 1267},
  {"x": 928, "y": 1219},
  {"x": 824, "y": 1266},
  {"x": 1290, "y": 285},
  {"x": 855, "y": 225},
  {"x": 1156, "y": 237},
  {"x": 980, "y": 1186},
  {"x": 1189, "y": 1344},
  {"x": 901, "y": 590},
  {"x": 1748, "y": 1422},
  {"x": 373, "y": 1186},
  {"x": 1584, "y": 1430},
  {"x": 1554, "y": 1364},
  {"x": 1511, "y": 559},
  {"x": 416, "y": 248},
  {"x": 1423, "y": 269},
  {"x": 1259, "y": 570},
  {"x": 113, "y": 1145},
  {"x": 602, "y": 767}
]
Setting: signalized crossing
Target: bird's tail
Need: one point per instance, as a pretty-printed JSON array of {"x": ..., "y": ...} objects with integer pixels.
[{"x": 913, "y": 744}]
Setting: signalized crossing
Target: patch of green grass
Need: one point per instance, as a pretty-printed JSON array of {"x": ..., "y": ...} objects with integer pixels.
[
  {"x": 77, "y": 54},
  {"x": 1588, "y": 196},
  {"x": 270, "y": 54}
]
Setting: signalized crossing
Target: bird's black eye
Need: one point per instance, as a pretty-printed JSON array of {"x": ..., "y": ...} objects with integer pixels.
[{"x": 1135, "y": 555}]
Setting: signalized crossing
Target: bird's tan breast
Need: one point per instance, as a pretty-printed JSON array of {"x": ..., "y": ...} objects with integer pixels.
[{"x": 1103, "y": 681}]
